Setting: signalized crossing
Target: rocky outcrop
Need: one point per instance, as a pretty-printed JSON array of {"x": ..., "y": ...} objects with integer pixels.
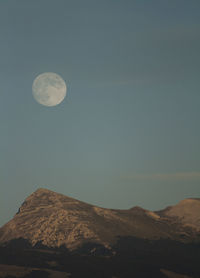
[{"x": 186, "y": 211}]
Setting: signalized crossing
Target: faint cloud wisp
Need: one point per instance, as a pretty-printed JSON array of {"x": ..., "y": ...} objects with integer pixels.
[{"x": 178, "y": 176}]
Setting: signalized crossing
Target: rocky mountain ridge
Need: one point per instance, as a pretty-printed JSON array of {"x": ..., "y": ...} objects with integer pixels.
[{"x": 56, "y": 220}]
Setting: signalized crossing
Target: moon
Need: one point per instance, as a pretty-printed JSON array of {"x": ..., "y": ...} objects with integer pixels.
[{"x": 49, "y": 89}]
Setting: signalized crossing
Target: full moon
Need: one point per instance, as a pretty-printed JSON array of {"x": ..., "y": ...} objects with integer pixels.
[{"x": 49, "y": 89}]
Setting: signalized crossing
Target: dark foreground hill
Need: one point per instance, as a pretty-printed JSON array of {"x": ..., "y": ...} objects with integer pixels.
[{"x": 56, "y": 236}]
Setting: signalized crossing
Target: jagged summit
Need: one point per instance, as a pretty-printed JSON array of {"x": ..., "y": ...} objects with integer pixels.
[
  {"x": 55, "y": 219},
  {"x": 45, "y": 198},
  {"x": 43, "y": 193}
]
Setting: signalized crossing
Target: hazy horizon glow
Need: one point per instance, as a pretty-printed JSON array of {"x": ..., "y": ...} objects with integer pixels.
[{"x": 128, "y": 132}]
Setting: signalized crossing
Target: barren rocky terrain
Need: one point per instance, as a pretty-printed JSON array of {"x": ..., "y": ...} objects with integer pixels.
[
  {"x": 55, "y": 220},
  {"x": 55, "y": 235}
]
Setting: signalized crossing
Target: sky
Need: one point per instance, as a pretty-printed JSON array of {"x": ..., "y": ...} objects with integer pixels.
[{"x": 128, "y": 131}]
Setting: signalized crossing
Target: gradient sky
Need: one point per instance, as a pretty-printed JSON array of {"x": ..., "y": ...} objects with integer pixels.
[{"x": 128, "y": 132}]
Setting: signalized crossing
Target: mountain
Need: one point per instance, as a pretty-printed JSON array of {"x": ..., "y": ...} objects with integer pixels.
[
  {"x": 55, "y": 220},
  {"x": 53, "y": 235}
]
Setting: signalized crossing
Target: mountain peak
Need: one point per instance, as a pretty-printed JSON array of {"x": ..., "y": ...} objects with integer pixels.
[
  {"x": 43, "y": 190},
  {"x": 43, "y": 196},
  {"x": 45, "y": 201}
]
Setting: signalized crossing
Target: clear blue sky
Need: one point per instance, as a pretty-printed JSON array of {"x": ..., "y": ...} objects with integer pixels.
[{"x": 128, "y": 132}]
